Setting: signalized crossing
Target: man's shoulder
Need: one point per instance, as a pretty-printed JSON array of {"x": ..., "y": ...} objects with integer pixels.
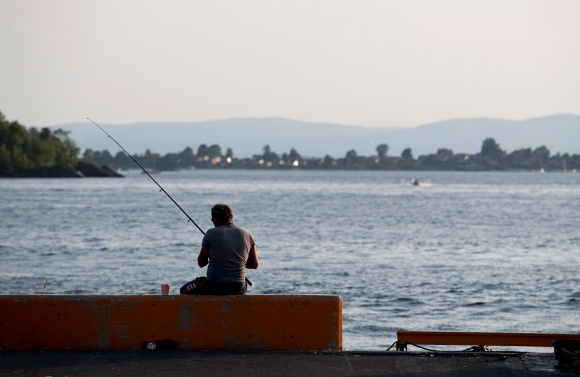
[
  {"x": 243, "y": 230},
  {"x": 221, "y": 230},
  {"x": 212, "y": 230},
  {"x": 240, "y": 228},
  {"x": 247, "y": 234},
  {"x": 214, "y": 233},
  {"x": 225, "y": 228}
]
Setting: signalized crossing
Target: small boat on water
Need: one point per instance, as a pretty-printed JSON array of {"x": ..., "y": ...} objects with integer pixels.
[{"x": 415, "y": 182}]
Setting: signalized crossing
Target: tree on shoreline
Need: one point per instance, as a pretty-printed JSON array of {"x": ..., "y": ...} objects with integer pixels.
[
  {"x": 491, "y": 149},
  {"x": 22, "y": 149},
  {"x": 382, "y": 150},
  {"x": 407, "y": 154}
]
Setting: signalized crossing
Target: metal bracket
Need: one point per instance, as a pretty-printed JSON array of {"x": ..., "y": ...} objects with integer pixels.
[
  {"x": 401, "y": 345},
  {"x": 481, "y": 348}
]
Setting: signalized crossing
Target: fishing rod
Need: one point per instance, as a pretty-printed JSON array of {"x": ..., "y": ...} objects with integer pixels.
[{"x": 153, "y": 179}]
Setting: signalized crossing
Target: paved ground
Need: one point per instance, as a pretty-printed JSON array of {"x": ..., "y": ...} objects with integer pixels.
[{"x": 256, "y": 364}]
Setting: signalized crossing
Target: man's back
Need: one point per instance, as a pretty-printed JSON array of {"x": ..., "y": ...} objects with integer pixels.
[
  {"x": 229, "y": 250},
  {"x": 229, "y": 247}
]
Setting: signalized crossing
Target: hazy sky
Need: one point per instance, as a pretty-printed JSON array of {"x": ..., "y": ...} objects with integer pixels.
[{"x": 370, "y": 63}]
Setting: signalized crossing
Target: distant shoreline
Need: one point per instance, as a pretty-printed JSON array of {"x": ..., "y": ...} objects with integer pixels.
[
  {"x": 83, "y": 170},
  {"x": 91, "y": 170},
  {"x": 69, "y": 174},
  {"x": 44, "y": 153},
  {"x": 490, "y": 158}
]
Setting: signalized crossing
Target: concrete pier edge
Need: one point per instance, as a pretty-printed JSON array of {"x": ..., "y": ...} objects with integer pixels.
[{"x": 276, "y": 363}]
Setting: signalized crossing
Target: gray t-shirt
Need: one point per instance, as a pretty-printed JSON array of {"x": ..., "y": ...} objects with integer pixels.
[{"x": 229, "y": 247}]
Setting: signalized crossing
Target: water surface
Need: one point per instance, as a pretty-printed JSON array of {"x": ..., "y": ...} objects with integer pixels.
[{"x": 467, "y": 252}]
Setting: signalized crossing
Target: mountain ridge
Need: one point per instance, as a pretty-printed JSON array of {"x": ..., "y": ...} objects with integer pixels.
[{"x": 247, "y": 136}]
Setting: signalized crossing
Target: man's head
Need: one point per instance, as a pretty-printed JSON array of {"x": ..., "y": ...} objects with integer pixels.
[{"x": 222, "y": 214}]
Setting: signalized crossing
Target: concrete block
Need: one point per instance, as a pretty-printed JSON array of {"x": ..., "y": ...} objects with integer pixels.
[{"x": 124, "y": 322}]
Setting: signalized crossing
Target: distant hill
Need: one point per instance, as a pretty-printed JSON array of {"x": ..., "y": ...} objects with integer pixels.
[{"x": 560, "y": 133}]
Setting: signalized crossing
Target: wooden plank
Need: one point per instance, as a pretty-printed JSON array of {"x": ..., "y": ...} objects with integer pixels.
[{"x": 482, "y": 338}]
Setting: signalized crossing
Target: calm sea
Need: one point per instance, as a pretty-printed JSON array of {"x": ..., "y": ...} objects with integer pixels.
[{"x": 461, "y": 252}]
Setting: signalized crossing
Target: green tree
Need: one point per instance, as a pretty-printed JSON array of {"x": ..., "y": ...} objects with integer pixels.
[
  {"x": 542, "y": 152},
  {"x": 520, "y": 157},
  {"x": 202, "y": 150},
  {"x": 214, "y": 151},
  {"x": 18, "y": 136},
  {"x": 45, "y": 133},
  {"x": 88, "y": 155},
  {"x": 44, "y": 153},
  {"x": 329, "y": 161},
  {"x": 4, "y": 131},
  {"x": 268, "y": 155},
  {"x": 491, "y": 149},
  {"x": 29, "y": 149},
  {"x": 66, "y": 149},
  {"x": 123, "y": 161},
  {"x": 350, "y": 155},
  {"x": 106, "y": 158},
  {"x": 5, "y": 159},
  {"x": 382, "y": 150},
  {"x": 407, "y": 154},
  {"x": 229, "y": 153},
  {"x": 294, "y": 155},
  {"x": 20, "y": 159},
  {"x": 187, "y": 157},
  {"x": 443, "y": 152}
]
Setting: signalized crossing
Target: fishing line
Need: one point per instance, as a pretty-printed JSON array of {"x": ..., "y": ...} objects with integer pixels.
[
  {"x": 161, "y": 188},
  {"x": 146, "y": 172}
]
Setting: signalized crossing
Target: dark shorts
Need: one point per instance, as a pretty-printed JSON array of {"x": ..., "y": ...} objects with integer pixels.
[{"x": 202, "y": 286}]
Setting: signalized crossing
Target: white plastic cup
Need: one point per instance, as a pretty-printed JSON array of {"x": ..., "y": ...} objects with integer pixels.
[{"x": 165, "y": 289}]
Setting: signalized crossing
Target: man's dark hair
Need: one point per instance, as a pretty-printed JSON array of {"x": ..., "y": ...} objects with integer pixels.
[{"x": 222, "y": 212}]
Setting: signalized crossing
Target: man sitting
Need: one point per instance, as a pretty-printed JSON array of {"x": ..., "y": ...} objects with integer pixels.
[{"x": 229, "y": 250}]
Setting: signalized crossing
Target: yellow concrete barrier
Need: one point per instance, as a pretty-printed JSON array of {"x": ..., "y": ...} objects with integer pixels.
[{"x": 124, "y": 322}]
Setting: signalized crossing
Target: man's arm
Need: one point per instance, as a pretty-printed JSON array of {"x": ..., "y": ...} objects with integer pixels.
[
  {"x": 253, "y": 261},
  {"x": 203, "y": 258}
]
